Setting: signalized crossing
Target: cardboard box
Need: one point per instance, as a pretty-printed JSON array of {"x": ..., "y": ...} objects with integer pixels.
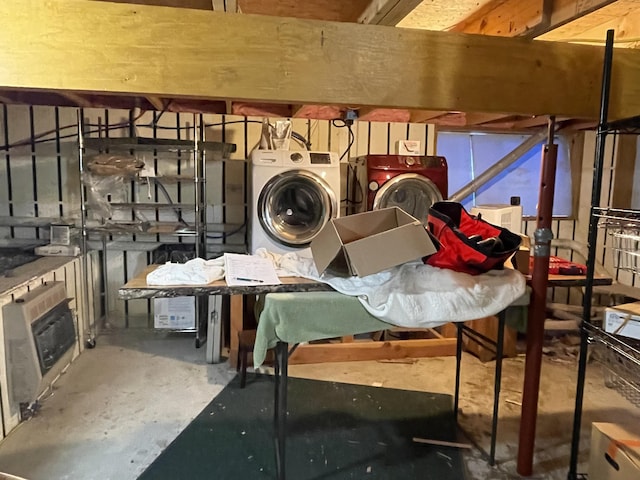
[
  {"x": 615, "y": 452},
  {"x": 521, "y": 259},
  {"x": 623, "y": 320},
  {"x": 175, "y": 313},
  {"x": 370, "y": 242}
]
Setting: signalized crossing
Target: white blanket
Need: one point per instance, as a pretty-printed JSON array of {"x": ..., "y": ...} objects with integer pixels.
[
  {"x": 417, "y": 295},
  {"x": 193, "y": 272}
]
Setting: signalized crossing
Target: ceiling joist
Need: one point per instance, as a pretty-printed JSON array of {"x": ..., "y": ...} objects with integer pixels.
[
  {"x": 329, "y": 10},
  {"x": 387, "y": 12},
  {"x": 395, "y": 68},
  {"x": 510, "y": 18}
]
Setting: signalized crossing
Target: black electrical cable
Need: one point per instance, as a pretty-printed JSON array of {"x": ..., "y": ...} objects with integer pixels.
[
  {"x": 347, "y": 124},
  {"x": 168, "y": 197}
]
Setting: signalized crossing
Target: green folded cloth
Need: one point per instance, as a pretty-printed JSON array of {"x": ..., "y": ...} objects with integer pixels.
[{"x": 305, "y": 316}]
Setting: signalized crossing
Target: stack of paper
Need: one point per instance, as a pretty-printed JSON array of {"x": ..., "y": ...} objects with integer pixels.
[{"x": 249, "y": 270}]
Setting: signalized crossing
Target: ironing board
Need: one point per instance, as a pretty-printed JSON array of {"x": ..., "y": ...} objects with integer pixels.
[{"x": 292, "y": 318}]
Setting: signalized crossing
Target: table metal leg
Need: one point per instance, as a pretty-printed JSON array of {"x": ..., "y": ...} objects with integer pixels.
[
  {"x": 498, "y": 344},
  {"x": 280, "y": 407},
  {"x": 496, "y": 385},
  {"x": 456, "y": 397}
]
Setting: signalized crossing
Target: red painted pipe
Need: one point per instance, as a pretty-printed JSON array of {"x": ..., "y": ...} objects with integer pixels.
[{"x": 537, "y": 309}]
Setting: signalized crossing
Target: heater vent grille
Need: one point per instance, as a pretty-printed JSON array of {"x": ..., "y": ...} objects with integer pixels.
[{"x": 39, "y": 333}]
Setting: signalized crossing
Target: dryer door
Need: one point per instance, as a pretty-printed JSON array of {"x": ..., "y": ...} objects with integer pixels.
[
  {"x": 294, "y": 206},
  {"x": 412, "y": 192}
]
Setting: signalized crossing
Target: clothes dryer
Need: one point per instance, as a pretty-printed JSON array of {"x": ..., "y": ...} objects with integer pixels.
[
  {"x": 293, "y": 195},
  {"x": 413, "y": 183}
]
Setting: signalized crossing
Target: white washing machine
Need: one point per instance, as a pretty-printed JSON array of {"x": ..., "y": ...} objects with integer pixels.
[{"x": 293, "y": 195}]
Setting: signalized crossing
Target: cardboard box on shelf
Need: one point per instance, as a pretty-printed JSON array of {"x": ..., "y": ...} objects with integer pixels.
[
  {"x": 623, "y": 320},
  {"x": 614, "y": 453},
  {"x": 520, "y": 259},
  {"x": 370, "y": 242},
  {"x": 175, "y": 313}
]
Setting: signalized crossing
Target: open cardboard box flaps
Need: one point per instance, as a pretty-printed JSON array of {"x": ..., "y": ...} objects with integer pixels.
[
  {"x": 367, "y": 243},
  {"x": 520, "y": 259}
]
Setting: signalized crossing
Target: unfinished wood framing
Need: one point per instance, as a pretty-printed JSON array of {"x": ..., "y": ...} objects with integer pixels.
[
  {"x": 387, "y": 12},
  {"x": 124, "y": 49},
  {"x": 330, "y": 10},
  {"x": 503, "y": 18}
]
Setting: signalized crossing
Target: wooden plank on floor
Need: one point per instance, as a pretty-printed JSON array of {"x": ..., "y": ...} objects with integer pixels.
[{"x": 358, "y": 351}]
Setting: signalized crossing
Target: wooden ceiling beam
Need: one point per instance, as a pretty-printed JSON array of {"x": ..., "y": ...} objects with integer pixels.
[
  {"x": 77, "y": 99},
  {"x": 484, "y": 118},
  {"x": 567, "y": 11},
  {"x": 195, "y": 4},
  {"x": 510, "y": 18},
  {"x": 505, "y": 18},
  {"x": 368, "y": 114},
  {"x": 387, "y": 12},
  {"x": 329, "y": 10},
  {"x": 425, "y": 116},
  {"x": 395, "y": 68},
  {"x": 318, "y": 112},
  {"x": 620, "y": 17},
  {"x": 157, "y": 102}
]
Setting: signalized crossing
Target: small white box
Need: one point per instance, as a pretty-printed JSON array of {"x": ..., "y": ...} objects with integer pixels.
[
  {"x": 623, "y": 320},
  {"x": 502, "y": 215},
  {"x": 408, "y": 147},
  {"x": 175, "y": 313}
]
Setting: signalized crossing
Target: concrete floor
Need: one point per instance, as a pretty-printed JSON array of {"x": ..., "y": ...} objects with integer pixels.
[{"x": 119, "y": 405}]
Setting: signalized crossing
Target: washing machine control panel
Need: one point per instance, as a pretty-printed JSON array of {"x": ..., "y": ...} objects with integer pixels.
[
  {"x": 299, "y": 159},
  {"x": 320, "y": 158},
  {"x": 296, "y": 157}
]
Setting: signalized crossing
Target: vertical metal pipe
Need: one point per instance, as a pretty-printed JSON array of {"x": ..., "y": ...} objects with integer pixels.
[
  {"x": 535, "y": 324},
  {"x": 88, "y": 325},
  {"x": 596, "y": 189}
]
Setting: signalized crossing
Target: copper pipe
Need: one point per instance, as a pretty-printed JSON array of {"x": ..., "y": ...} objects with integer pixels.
[{"x": 537, "y": 306}]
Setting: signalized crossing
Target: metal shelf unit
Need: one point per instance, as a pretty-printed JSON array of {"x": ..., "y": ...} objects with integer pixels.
[
  {"x": 127, "y": 220},
  {"x": 619, "y": 355}
]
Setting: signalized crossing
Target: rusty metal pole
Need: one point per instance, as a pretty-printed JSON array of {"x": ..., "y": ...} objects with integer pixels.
[{"x": 537, "y": 306}]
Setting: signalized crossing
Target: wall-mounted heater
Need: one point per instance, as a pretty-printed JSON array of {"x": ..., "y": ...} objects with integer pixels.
[{"x": 39, "y": 335}]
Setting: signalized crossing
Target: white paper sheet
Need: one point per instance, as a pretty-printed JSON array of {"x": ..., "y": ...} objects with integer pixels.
[{"x": 249, "y": 270}]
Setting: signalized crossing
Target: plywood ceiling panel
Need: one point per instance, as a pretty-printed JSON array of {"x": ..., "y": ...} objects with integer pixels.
[
  {"x": 440, "y": 14},
  {"x": 621, "y": 16}
]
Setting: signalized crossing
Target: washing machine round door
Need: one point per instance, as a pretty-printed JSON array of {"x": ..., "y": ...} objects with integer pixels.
[
  {"x": 412, "y": 192},
  {"x": 294, "y": 206}
]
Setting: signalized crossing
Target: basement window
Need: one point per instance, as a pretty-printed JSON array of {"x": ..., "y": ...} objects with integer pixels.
[{"x": 469, "y": 154}]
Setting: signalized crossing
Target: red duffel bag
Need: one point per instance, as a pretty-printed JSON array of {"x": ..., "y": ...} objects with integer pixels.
[{"x": 467, "y": 243}]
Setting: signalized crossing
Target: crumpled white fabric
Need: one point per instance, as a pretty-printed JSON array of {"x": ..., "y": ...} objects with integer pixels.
[
  {"x": 418, "y": 295},
  {"x": 196, "y": 271},
  {"x": 278, "y": 258}
]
